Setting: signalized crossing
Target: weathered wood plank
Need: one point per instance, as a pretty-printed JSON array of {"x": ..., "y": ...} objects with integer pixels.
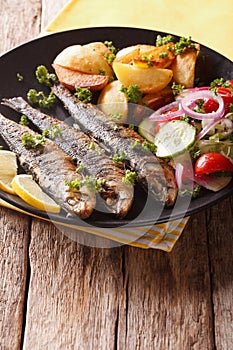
[
  {"x": 125, "y": 298},
  {"x": 220, "y": 231},
  {"x": 19, "y": 22},
  {"x": 169, "y": 296},
  {"x": 74, "y": 293},
  {"x": 13, "y": 271}
]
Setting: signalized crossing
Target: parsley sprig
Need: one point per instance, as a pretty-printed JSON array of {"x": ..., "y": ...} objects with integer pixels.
[
  {"x": 40, "y": 99},
  {"x": 133, "y": 93},
  {"x": 83, "y": 94},
  {"x": 44, "y": 77}
]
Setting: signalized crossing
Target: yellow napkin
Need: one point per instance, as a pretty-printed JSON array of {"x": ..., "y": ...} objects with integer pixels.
[{"x": 208, "y": 22}]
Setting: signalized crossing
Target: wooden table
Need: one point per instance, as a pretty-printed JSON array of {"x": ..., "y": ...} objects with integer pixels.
[{"x": 58, "y": 294}]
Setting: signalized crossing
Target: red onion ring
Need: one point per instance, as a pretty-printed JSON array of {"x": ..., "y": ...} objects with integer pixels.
[
  {"x": 190, "y": 98},
  {"x": 212, "y": 183},
  {"x": 188, "y": 91},
  {"x": 205, "y": 130},
  {"x": 159, "y": 114},
  {"x": 178, "y": 175}
]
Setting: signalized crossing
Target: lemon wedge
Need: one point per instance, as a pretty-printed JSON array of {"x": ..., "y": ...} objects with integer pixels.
[
  {"x": 8, "y": 170},
  {"x": 27, "y": 189}
]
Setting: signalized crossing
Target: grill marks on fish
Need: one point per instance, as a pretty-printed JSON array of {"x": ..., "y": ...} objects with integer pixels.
[
  {"x": 154, "y": 174},
  {"x": 50, "y": 167},
  {"x": 117, "y": 196}
]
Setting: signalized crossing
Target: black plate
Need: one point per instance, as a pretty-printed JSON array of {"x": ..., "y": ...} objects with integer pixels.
[{"x": 24, "y": 60}]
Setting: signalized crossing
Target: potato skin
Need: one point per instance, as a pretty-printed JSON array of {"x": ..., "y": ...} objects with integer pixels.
[
  {"x": 72, "y": 79},
  {"x": 83, "y": 59}
]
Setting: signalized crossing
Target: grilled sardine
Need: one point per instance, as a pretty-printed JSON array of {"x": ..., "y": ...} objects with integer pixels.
[
  {"x": 117, "y": 195},
  {"x": 51, "y": 168},
  {"x": 154, "y": 174}
]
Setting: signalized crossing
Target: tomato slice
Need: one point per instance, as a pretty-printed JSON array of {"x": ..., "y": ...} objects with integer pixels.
[
  {"x": 211, "y": 106},
  {"x": 210, "y": 163}
]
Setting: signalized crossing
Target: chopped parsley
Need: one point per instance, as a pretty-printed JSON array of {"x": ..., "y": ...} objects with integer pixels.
[
  {"x": 19, "y": 77},
  {"x": 131, "y": 126},
  {"x": 195, "y": 152},
  {"x": 102, "y": 72},
  {"x": 185, "y": 118},
  {"x": 30, "y": 141},
  {"x": 163, "y": 54},
  {"x": 135, "y": 144},
  {"x": 200, "y": 106},
  {"x": 160, "y": 41},
  {"x": 148, "y": 59},
  {"x": 194, "y": 193},
  {"x": 83, "y": 94},
  {"x": 177, "y": 88},
  {"x": 182, "y": 45},
  {"x": 89, "y": 181},
  {"x": 149, "y": 146},
  {"x": 23, "y": 120},
  {"x": 219, "y": 82},
  {"x": 80, "y": 168},
  {"x": 129, "y": 178},
  {"x": 44, "y": 77},
  {"x": 110, "y": 46},
  {"x": 52, "y": 132},
  {"x": 39, "y": 98},
  {"x": 118, "y": 158},
  {"x": 116, "y": 116},
  {"x": 133, "y": 93},
  {"x": 110, "y": 57}
]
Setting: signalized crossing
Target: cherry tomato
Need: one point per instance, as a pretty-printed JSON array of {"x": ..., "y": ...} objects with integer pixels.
[
  {"x": 210, "y": 163},
  {"x": 227, "y": 96},
  {"x": 211, "y": 106},
  {"x": 228, "y": 101},
  {"x": 223, "y": 91}
]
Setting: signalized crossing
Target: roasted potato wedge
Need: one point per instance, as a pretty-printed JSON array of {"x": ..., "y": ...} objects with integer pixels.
[
  {"x": 127, "y": 54},
  {"x": 142, "y": 55},
  {"x": 183, "y": 67},
  {"x": 99, "y": 47},
  {"x": 152, "y": 102},
  {"x": 149, "y": 80},
  {"x": 83, "y": 59},
  {"x": 114, "y": 102},
  {"x": 71, "y": 79}
]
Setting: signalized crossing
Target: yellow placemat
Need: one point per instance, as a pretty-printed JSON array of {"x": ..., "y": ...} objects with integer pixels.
[{"x": 207, "y": 21}]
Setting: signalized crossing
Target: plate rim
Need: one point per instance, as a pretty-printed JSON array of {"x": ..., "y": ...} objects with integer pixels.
[{"x": 52, "y": 36}]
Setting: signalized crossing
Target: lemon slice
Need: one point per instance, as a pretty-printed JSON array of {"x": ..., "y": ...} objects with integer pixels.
[
  {"x": 8, "y": 170},
  {"x": 27, "y": 189}
]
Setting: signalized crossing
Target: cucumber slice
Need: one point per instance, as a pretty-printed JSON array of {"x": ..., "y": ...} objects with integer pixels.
[
  {"x": 173, "y": 138},
  {"x": 147, "y": 129}
]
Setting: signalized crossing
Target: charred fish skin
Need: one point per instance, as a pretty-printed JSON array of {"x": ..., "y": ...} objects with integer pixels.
[
  {"x": 117, "y": 196},
  {"x": 154, "y": 174},
  {"x": 51, "y": 168}
]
